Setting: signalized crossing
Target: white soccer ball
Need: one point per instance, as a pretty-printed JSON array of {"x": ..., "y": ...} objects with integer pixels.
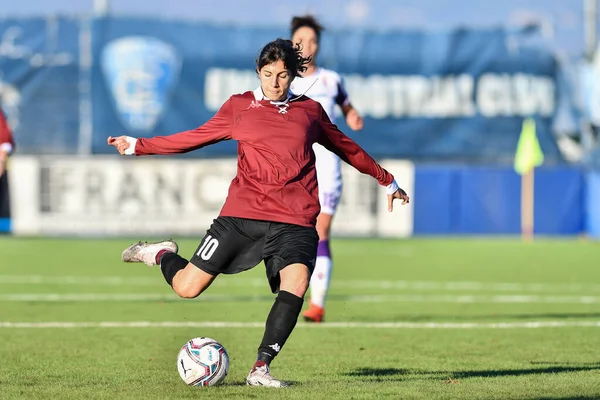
[{"x": 203, "y": 361}]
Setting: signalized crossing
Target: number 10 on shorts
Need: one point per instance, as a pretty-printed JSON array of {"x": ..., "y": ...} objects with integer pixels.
[{"x": 208, "y": 248}]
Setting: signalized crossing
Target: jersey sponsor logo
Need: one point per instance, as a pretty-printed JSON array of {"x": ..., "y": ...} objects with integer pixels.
[
  {"x": 254, "y": 104},
  {"x": 141, "y": 73}
]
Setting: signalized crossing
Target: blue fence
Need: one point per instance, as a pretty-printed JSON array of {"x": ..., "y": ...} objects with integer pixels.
[
  {"x": 487, "y": 200},
  {"x": 592, "y": 204}
]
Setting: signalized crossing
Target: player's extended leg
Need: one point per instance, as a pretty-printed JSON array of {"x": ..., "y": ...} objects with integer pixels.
[
  {"x": 280, "y": 323},
  {"x": 187, "y": 280}
]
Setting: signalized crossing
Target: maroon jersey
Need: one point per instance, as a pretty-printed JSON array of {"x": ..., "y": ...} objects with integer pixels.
[{"x": 276, "y": 178}]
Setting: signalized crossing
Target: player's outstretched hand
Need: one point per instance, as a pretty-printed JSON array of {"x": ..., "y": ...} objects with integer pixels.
[
  {"x": 398, "y": 194},
  {"x": 120, "y": 142},
  {"x": 354, "y": 120}
]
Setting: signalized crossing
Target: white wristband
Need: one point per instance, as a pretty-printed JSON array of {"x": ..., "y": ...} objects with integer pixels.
[
  {"x": 131, "y": 149},
  {"x": 6, "y": 147},
  {"x": 392, "y": 187}
]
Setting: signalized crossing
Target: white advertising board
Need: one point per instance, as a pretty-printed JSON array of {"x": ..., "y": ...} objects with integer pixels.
[{"x": 107, "y": 196}]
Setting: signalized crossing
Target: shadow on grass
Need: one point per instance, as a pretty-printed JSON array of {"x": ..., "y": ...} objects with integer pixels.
[
  {"x": 520, "y": 372},
  {"x": 408, "y": 374},
  {"x": 568, "y": 398},
  {"x": 565, "y": 363}
]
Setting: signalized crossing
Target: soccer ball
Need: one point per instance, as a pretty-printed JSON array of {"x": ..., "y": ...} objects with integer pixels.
[{"x": 203, "y": 361}]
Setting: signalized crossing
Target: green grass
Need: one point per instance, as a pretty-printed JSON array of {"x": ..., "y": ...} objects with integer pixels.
[{"x": 420, "y": 281}]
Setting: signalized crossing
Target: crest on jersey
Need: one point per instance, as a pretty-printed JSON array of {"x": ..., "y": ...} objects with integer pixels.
[{"x": 140, "y": 72}]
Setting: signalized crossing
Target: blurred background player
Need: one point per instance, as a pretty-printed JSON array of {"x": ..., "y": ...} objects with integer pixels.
[
  {"x": 326, "y": 87},
  {"x": 7, "y": 146}
]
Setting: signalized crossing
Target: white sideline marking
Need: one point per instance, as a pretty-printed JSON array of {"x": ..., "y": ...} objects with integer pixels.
[
  {"x": 80, "y": 280},
  {"x": 529, "y": 299},
  {"x": 80, "y": 297},
  {"x": 379, "y": 325},
  {"x": 340, "y": 284}
]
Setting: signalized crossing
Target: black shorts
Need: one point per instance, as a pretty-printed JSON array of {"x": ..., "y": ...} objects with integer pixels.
[{"x": 233, "y": 245}]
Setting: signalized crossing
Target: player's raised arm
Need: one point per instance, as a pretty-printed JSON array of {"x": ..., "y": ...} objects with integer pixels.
[
  {"x": 216, "y": 129},
  {"x": 347, "y": 149}
]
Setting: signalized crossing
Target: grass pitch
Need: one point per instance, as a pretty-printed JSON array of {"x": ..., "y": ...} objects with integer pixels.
[{"x": 418, "y": 319}]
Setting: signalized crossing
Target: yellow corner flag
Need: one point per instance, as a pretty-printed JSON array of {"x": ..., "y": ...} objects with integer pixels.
[{"x": 529, "y": 154}]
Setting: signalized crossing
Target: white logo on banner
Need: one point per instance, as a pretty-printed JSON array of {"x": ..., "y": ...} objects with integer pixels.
[
  {"x": 14, "y": 49},
  {"x": 141, "y": 72}
]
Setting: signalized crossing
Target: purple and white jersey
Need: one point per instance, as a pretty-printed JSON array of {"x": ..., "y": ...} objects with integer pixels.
[{"x": 326, "y": 87}]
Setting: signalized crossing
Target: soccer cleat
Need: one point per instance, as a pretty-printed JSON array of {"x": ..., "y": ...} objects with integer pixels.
[
  {"x": 146, "y": 252},
  {"x": 314, "y": 314},
  {"x": 261, "y": 376}
]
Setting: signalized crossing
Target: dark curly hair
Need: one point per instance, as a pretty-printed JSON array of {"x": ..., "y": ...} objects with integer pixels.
[
  {"x": 308, "y": 21},
  {"x": 283, "y": 50}
]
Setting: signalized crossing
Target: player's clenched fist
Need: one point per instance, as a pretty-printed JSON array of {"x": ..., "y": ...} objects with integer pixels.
[{"x": 124, "y": 144}]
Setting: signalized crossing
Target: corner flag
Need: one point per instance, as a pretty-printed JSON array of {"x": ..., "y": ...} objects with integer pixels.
[{"x": 529, "y": 154}]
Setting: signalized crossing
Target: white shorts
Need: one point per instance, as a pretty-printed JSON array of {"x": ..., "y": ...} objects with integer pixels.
[{"x": 329, "y": 177}]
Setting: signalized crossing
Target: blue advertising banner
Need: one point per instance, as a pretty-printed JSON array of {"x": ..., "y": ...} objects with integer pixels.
[
  {"x": 40, "y": 82},
  {"x": 454, "y": 95},
  {"x": 66, "y": 84},
  {"x": 151, "y": 78}
]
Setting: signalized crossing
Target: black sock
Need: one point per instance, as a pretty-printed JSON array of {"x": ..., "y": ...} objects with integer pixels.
[
  {"x": 280, "y": 323},
  {"x": 170, "y": 264}
]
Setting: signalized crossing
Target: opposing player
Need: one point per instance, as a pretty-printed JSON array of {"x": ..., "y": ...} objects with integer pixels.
[
  {"x": 272, "y": 206},
  {"x": 326, "y": 87}
]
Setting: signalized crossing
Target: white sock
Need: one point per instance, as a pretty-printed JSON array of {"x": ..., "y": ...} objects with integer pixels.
[{"x": 319, "y": 282}]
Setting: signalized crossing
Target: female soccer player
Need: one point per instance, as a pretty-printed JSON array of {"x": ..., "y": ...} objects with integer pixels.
[
  {"x": 326, "y": 87},
  {"x": 272, "y": 206}
]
